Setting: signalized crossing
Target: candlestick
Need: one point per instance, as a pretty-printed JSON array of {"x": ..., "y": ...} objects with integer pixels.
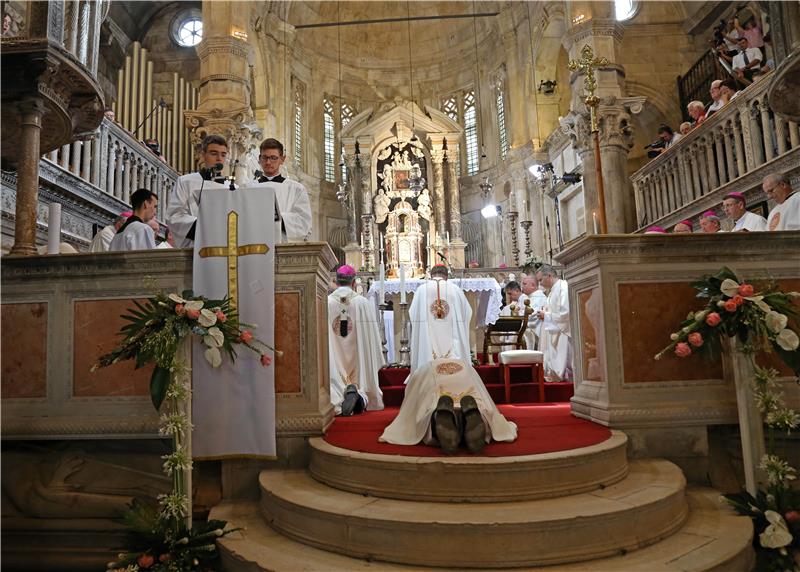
[
  {"x": 594, "y": 222},
  {"x": 381, "y": 277},
  {"x": 54, "y": 229},
  {"x": 402, "y": 284},
  {"x": 405, "y": 333},
  {"x": 382, "y": 325}
]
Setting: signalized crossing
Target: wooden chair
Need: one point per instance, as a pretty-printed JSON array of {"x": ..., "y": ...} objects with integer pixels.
[{"x": 498, "y": 334}]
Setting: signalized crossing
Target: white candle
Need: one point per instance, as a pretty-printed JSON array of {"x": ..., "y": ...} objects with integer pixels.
[
  {"x": 447, "y": 235},
  {"x": 54, "y": 229},
  {"x": 383, "y": 248},
  {"x": 594, "y": 222},
  {"x": 382, "y": 277},
  {"x": 402, "y": 284},
  {"x": 362, "y": 242}
]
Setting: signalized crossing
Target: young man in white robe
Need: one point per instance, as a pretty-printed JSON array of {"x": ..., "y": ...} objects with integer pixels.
[
  {"x": 354, "y": 348},
  {"x": 735, "y": 206},
  {"x": 530, "y": 287},
  {"x": 440, "y": 317},
  {"x": 785, "y": 215},
  {"x": 555, "y": 342},
  {"x": 136, "y": 233},
  {"x": 429, "y": 413},
  {"x": 515, "y": 307},
  {"x": 292, "y": 206},
  {"x": 102, "y": 240}
]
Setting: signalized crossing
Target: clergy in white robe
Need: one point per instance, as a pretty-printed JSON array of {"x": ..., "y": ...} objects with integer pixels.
[
  {"x": 785, "y": 215},
  {"x": 136, "y": 233},
  {"x": 515, "y": 307},
  {"x": 734, "y": 205},
  {"x": 354, "y": 346},
  {"x": 440, "y": 317},
  {"x": 102, "y": 240},
  {"x": 555, "y": 342},
  {"x": 443, "y": 376},
  {"x": 530, "y": 287}
]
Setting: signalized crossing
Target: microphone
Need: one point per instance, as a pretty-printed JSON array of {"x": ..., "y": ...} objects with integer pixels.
[{"x": 232, "y": 178}]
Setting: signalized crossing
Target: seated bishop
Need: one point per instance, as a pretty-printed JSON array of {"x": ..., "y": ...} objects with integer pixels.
[
  {"x": 447, "y": 404},
  {"x": 440, "y": 317},
  {"x": 354, "y": 348}
]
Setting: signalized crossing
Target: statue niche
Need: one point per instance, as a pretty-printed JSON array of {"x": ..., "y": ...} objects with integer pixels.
[{"x": 404, "y": 241}]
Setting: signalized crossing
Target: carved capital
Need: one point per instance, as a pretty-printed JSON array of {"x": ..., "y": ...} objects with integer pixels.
[
  {"x": 237, "y": 126},
  {"x": 437, "y": 156}
]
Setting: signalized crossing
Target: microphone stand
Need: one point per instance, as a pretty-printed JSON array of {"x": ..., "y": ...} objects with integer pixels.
[
  {"x": 549, "y": 239},
  {"x": 160, "y": 103}
]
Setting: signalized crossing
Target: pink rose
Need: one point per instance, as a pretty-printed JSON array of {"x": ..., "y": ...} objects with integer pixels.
[
  {"x": 145, "y": 561},
  {"x": 792, "y": 516},
  {"x": 265, "y": 360},
  {"x": 245, "y": 337},
  {"x": 738, "y": 300},
  {"x": 696, "y": 339},
  {"x": 179, "y": 309},
  {"x": 682, "y": 349},
  {"x": 746, "y": 290},
  {"x": 713, "y": 319},
  {"x": 193, "y": 314},
  {"x": 730, "y": 305},
  {"x": 221, "y": 316}
]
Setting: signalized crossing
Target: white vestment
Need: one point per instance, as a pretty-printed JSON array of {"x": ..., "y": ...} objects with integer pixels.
[
  {"x": 538, "y": 301},
  {"x": 183, "y": 206},
  {"x": 555, "y": 340},
  {"x": 433, "y": 379},
  {"x": 294, "y": 210},
  {"x": 750, "y": 222},
  {"x": 164, "y": 244},
  {"x": 445, "y": 334},
  {"x": 357, "y": 357},
  {"x": 134, "y": 235},
  {"x": 785, "y": 216},
  {"x": 102, "y": 240}
]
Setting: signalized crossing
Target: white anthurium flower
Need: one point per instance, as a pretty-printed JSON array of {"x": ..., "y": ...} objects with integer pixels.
[
  {"x": 777, "y": 534},
  {"x": 194, "y": 305},
  {"x": 775, "y": 321},
  {"x": 759, "y": 301},
  {"x": 213, "y": 357},
  {"x": 788, "y": 340},
  {"x": 793, "y": 294},
  {"x": 207, "y": 318},
  {"x": 700, "y": 316},
  {"x": 177, "y": 299},
  {"x": 729, "y": 288},
  {"x": 214, "y": 338}
]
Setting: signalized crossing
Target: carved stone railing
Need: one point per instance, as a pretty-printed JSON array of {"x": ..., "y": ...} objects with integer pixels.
[
  {"x": 117, "y": 164},
  {"x": 731, "y": 151}
]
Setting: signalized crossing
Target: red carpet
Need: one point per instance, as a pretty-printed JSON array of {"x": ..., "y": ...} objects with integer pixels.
[{"x": 541, "y": 429}]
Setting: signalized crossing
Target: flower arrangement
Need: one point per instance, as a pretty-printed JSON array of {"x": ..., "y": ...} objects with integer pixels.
[
  {"x": 763, "y": 320},
  {"x": 531, "y": 265}
]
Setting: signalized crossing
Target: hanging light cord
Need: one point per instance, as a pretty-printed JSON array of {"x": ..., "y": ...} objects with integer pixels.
[
  {"x": 533, "y": 77},
  {"x": 339, "y": 53},
  {"x": 410, "y": 68},
  {"x": 479, "y": 101}
]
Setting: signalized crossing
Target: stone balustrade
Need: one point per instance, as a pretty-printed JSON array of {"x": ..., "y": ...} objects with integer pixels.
[{"x": 731, "y": 151}]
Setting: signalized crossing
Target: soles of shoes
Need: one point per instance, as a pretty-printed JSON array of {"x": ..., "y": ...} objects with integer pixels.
[
  {"x": 474, "y": 427},
  {"x": 448, "y": 430},
  {"x": 351, "y": 401}
]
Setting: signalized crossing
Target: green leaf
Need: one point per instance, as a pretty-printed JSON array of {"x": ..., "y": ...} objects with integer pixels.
[
  {"x": 725, "y": 273},
  {"x": 792, "y": 359},
  {"x": 159, "y": 382}
]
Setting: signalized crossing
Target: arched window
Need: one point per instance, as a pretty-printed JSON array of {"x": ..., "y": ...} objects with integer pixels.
[
  {"x": 187, "y": 28},
  {"x": 625, "y": 9}
]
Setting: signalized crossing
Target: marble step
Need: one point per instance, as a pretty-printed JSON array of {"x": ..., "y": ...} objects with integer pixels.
[
  {"x": 713, "y": 539},
  {"x": 471, "y": 479},
  {"x": 645, "y": 507}
]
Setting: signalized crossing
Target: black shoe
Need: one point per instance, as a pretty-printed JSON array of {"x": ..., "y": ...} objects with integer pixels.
[
  {"x": 352, "y": 401},
  {"x": 447, "y": 425},
  {"x": 474, "y": 427}
]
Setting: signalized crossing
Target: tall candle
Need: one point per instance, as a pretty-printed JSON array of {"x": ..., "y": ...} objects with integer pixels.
[
  {"x": 382, "y": 291},
  {"x": 594, "y": 222},
  {"x": 54, "y": 229},
  {"x": 447, "y": 235},
  {"x": 362, "y": 242},
  {"x": 383, "y": 248},
  {"x": 402, "y": 284}
]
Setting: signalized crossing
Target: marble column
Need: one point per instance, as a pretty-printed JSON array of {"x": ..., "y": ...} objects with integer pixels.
[
  {"x": 28, "y": 177},
  {"x": 439, "y": 209}
]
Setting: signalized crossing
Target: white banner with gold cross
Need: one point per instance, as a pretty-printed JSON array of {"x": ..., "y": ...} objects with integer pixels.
[{"x": 233, "y": 406}]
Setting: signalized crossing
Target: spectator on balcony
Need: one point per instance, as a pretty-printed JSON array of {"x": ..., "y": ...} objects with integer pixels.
[
  {"x": 785, "y": 215},
  {"x": 136, "y": 233},
  {"x": 728, "y": 91},
  {"x": 751, "y": 30},
  {"x": 685, "y": 128},
  {"x": 683, "y": 227},
  {"x": 747, "y": 62},
  {"x": 102, "y": 240},
  {"x": 735, "y": 207},
  {"x": 709, "y": 222},
  {"x": 155, "y": 148},
  {"x": 716, "y": 98},
  {"x": 668, "y": 136},
  {"x": 697, "y": 111}
]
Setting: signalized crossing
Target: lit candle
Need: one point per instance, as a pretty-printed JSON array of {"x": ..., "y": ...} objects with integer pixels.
[
  {"x": 594, "y": 222},
  {"x": 54, "y": 229},
  {"x": 402, "y": 284},
  {"x": 381, "y": 290},
  {"x": 362, "y": 242},
  {"x": 447, "y": 237}
]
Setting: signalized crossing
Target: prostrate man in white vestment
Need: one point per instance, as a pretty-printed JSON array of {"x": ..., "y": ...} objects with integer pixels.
[
  {"x": 785, "y": 215},
  {"x": 102, "y": 240},
  {"x": 440, "y": 316},
  {"x": 556, "y": 342},
  {"x": 530, "y": 287},
  {"x": 735, "y": 206},
  {"x": 354, "y": 348},
  {"x": 428, "y": 413},
  {"x": 292, "y": 206},
  {"x": 184, "y": 200},
  {"x": 136, "y": 233}
]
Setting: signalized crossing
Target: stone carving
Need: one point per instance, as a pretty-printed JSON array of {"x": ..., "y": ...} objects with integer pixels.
[
  {"x": 424, "y": 204},
  {"x": 382, "y": 202}
]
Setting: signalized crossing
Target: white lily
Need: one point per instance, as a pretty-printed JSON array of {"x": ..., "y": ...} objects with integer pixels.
[
  {"x": 777, "y": 534},
  {"x": 177, "y": 299},
  {"x": 759, "y": 301},
  {"x": 214, "y": 339},
  {"x": 213, "y": 357},
  {"x": 788, "y": 340},
  {"x": 775, "y": 321},
  {"x": 207, "y": 318},
  {"x": 729, "y": 288},
  {"x": 194, "y": 305}
]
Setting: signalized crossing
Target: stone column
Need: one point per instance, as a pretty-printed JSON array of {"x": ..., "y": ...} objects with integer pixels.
[
  {"x": 439, "y": 209},
  {"x": 458, "y": 247},
  {"x": 28, "y": 178}
]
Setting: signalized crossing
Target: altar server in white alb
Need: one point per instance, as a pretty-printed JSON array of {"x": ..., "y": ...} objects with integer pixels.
[
  {"x": 785, "y": 215},
  {"x": 530, "y": 287},
  {"x": 440, "y": 317},
  {"x": 136, "y": 233},
  {"x": 354, "y": 348},
  {"x": 102, "y": 240},
  {"x": 292, "y": 206},
  {"x": 186, "y": 196},
  {"x": 555, "y": 342}
]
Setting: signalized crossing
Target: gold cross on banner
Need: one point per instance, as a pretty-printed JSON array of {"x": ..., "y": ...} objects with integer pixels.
[{"x": 233, "y": 251}]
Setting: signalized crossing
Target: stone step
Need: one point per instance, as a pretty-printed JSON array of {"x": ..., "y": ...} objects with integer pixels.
[
  {"x": 645, "y": 507},
  {"x": 713, "y": 538},
  {"x": 471, "y": 479}
]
